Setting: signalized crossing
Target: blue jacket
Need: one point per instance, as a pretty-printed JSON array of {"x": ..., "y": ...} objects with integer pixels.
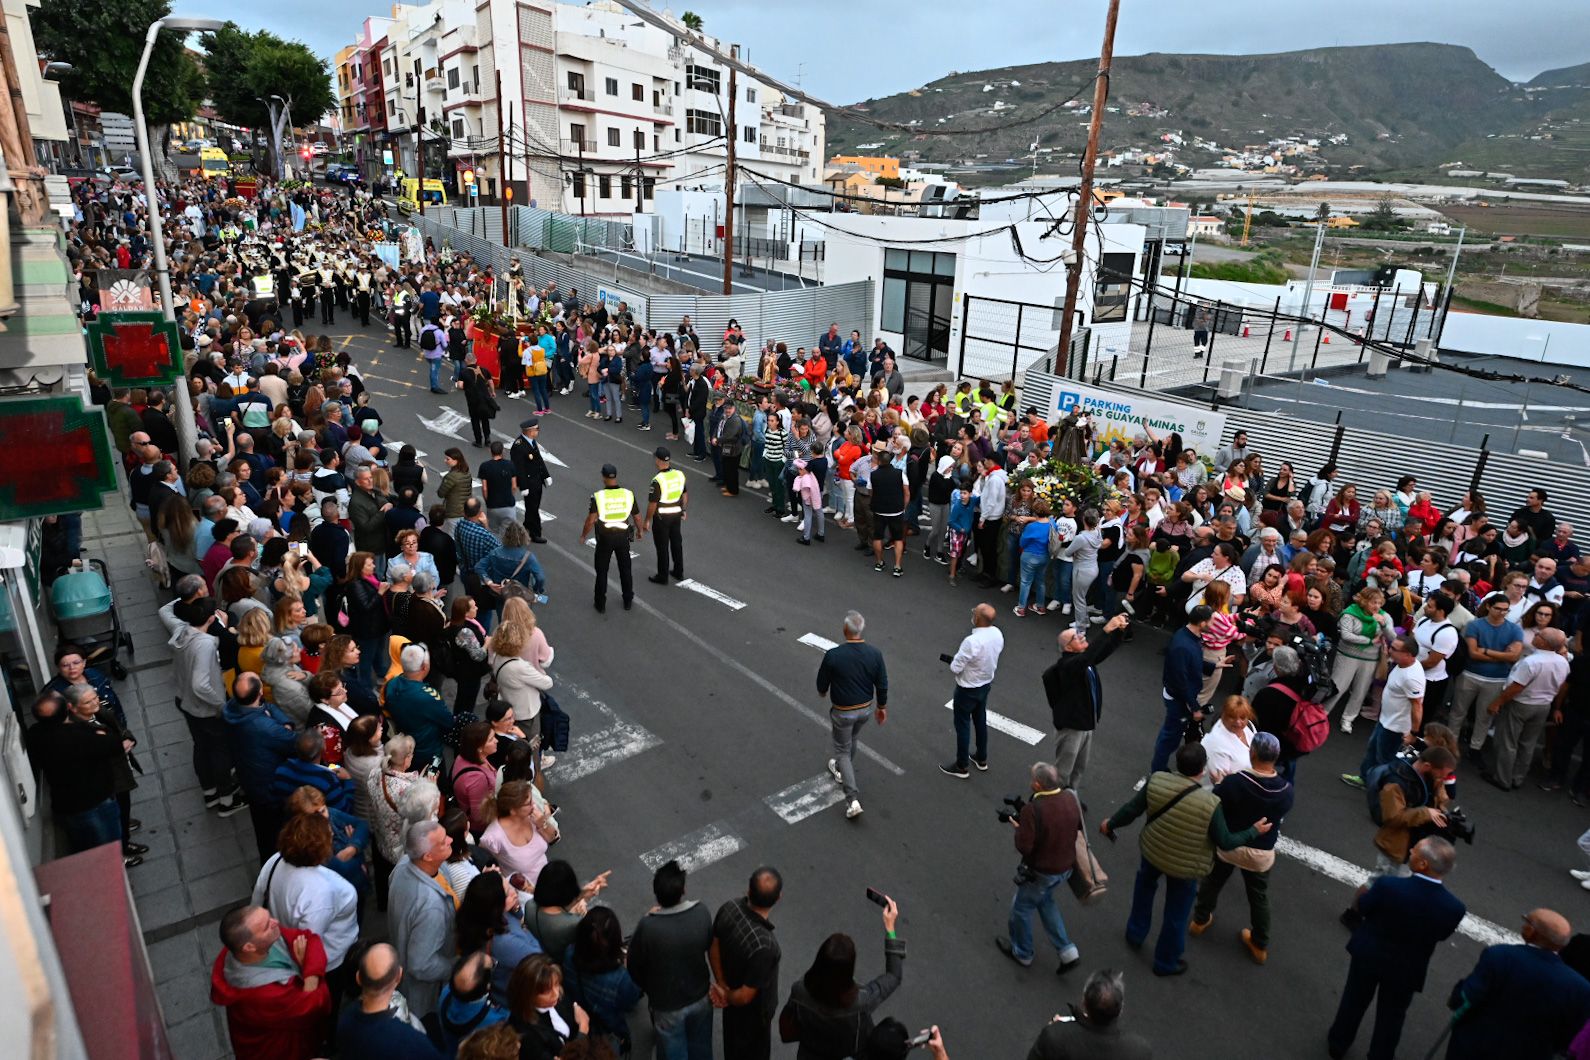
[
  {"x": 294, "y": 773},
  {"x": 499, "y": 565},
  {"x": 416, "y": 709},
  {"x": 351, "y": 870},
  {"x": 1403, "y": 921},
  {"x": 962, "y": 516},
  {"x": 1184, "y": 670},
  {"x": 260, "y": 739},
  {"x": 606, "y": 996},
  {"x": 1520, "y": 1002}
]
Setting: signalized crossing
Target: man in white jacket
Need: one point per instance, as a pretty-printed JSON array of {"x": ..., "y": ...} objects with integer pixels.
[{"x": 196, "y": 626}]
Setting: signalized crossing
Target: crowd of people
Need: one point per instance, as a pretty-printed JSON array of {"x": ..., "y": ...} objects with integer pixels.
[{"x": 361, "y": 665}]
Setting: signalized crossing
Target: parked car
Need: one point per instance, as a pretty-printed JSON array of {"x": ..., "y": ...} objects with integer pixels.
[
  {"x": 318, "y": 149},
  {"x": 125, "y": 174}
]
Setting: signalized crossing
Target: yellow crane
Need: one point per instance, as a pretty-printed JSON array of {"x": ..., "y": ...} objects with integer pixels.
[{"x": 1247, "y": 220}]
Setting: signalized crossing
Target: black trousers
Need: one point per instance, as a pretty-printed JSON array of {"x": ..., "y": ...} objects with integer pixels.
[
  {"x": 361, "y": 302},
  {"x": 987, "y": 537},
  {"x": 342, "y": 295},
  {"x": 298, "y": 313},
  {"x": 610, "y": 545},
  {"x": 747, "y": 1033},
  {"x": 401, "y": 333},
  {"x": 731, "y": 474},
  {"x": 532, "y": 505},
  {"x": 480, "y": 426},
  {"x": 327, "y": 308},
  {"x": 1391, "y": 1008},
  {"x": 667, "y": 534},
  {"x": 266, "y": 816}
]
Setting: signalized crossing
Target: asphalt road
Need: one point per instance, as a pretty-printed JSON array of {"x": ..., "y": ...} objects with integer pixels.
[{"x": 698, "y": 733}]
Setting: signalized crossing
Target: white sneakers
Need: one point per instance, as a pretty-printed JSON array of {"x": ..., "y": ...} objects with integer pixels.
[
  {"x": 1582, "y": 875},
  {"x": 833, "y": 771},
  {"x": 1054, "y": 605},
  {"x": 1347, "y": 724},
  {"x": 854, "y": 809}
]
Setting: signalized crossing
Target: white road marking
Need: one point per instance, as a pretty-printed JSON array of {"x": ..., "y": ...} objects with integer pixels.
[
  {"x": 590, "y": 752},
  {"x": 1010, "y": 727},
  {"x": 820, "y": 643},
  {"x": 696, "y": 850},
  {"x": 725, "y": 659},
  {"x": 811, "y": 796},
  {"x": 1477, "y": 928},
  {"x": 711, "y": 594},
  {"x": 396, "y": 446},
  {"x": 447, "y": 424},
  {"x": 590, "y": 543}
]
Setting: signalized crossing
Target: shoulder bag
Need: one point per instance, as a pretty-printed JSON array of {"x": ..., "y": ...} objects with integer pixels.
[{"x": 1088, "y": 880}]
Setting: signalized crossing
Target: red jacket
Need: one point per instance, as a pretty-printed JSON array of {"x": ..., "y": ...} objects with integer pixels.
[
  {"x": 282, "y": 1021},
  {"x": 1427, "y": 514}
]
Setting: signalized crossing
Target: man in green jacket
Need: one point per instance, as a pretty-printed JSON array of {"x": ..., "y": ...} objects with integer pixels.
[
  {"x": 1185, "y": 824},
  {"x": 416, "y": 708},
  {"x": 367, "y": 507}
]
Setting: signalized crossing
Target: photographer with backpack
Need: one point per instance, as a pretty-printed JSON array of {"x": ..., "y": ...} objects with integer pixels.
[{"x": 1286, "y": 708}]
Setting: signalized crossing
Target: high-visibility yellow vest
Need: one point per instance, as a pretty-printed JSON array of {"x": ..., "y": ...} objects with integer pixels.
[
  {"x": 613, "y": 506},
  {"x": 670, "y": 487}
]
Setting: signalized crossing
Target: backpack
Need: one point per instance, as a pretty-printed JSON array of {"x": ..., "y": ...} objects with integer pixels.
[
  {"x": 1309, "y": 725},
  {"x": 1458, "y": 661},
  {"x": 428, "y": 339}
]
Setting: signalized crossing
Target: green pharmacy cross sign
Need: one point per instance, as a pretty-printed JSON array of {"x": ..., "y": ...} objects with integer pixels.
[
  {"x": 134, "y": 349},
  {"x": 54, "y": 457}
]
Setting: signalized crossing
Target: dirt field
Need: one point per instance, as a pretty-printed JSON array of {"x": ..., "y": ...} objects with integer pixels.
[{"x": 1535, "y": 219}]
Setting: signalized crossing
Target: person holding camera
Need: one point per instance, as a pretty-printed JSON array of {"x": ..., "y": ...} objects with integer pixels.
[
  {"x": 1405, "y": 799},
  {"x": 1093, "y": 1030},
  {"x": 1046, "y": 838},
  {"x": 1185, "y": 825},
  {"x": 1076, "y": 696}
]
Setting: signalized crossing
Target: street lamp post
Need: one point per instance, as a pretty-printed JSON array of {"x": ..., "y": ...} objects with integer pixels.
[{"x": 187, "y": 427}]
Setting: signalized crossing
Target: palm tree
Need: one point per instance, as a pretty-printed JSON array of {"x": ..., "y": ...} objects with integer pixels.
[{"x": 692, "y": 21}]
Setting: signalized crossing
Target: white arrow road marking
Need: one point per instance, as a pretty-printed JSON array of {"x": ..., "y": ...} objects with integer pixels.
[
  {"x": 820, "y": 643},
  {"x": 1477, "y": 928},
  {"x": 447, "y": 424},
  {"x": 1010, "y": 727},
  {"x": 811, "y": 796},
  {"x": 712, "y": 594},
  {"x": 696, "y": 850}
]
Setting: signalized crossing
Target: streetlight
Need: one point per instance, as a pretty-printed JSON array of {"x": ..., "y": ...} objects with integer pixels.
[{"x": 187, "y": 428}]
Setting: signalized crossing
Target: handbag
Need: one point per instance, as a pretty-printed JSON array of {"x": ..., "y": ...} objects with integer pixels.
[
  {"x": 690, "y": 432},
  {"x": 492, "y": 690},
  {"x": 554, "y": 724},
  {"x": 1088, "y": 880}
]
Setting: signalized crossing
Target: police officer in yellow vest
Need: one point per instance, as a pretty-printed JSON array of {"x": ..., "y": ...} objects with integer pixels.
[
  {"x": 665, "y": 512},
  {"x": 613, "y": 515}
]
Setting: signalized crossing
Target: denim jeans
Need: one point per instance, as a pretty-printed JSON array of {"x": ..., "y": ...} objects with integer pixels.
[
  {"x": 1032, "y": 572},
  {"x": 615, "y": 400},
  {"x": 1382, "y": 747},
  {"x": 1039, "y": 895},
  {"x": 1059, "y": 578},
  {"x": 846, "y": 724},
  {"x": 373, "y": 659},
  {"x": 1179, "y": 897},
  {"x": 93, "y": 827},
  {"x": 1170, "y": 735},
  {"x": 971, "y": 711},
  {"x": 812, "y": 522},
  {"x": 542, "y": 390},
  {"x": 593, "y": 391},
  {"x": 643, "y": 396},
  {"x": 434, "y": 365},
  {"x": 683, "y": 1033}
]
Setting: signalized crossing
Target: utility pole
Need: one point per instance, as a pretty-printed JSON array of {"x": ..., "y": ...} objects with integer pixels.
[
  {"x": 1308, "y": 287},
  {"x": 502, "y": 164},
  {"x": 640, "y": 203},
  {"x": 581, "y": 174},
  {"x": 419, "y": 132},
  {"x": 733, "y": 134},
  {"x": 1084, "y": 206}
]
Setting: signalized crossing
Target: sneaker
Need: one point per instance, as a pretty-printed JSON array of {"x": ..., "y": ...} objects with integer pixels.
[
  {"x": 548, "y": 760},
  {"x": 853, "y": 810},
  {"x": 790, "y": 519},
  {"x": 953, "y": 769},
  {"x": 1097, "y": 620},
  {"x": 212, "y": 798},
  {"x": 1347, "y": 724},
  {"x": 1580, "y": 874},
  {"x": 1259, "y": 954},
  {"x": 644, "y": 427},
  {"x": 1550, "y": 785},
  {"x": 1039, "y": 611},
  {"x": 1019, "y": 612},
  {"x": 1352, "y": 780},
  {"x": 981, "y": 764},
  {"x": 927, "y": 553},
  {"x": 953, "y": 583},
  {"x": 1065, "y": 609},
  {"x": 1008, "y": 588},
  {"x": 1008, "y": 950},
  {"x": 944, "y": 561},
  {"x": 878, "y": 567},
  {"x": 899, "y": 572},
  {"x": 1197, "y": 927},
  {"x": 833, "y": 771},
  {"x": 1054, "y": 605},
  {"x": 1585, "y": 884},
  {"x": 236, "y": 804}
]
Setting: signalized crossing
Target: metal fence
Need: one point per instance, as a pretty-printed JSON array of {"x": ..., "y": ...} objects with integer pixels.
[
  {"x": 1001, "y": 339},
  {"x": 1374, "y": 459}
]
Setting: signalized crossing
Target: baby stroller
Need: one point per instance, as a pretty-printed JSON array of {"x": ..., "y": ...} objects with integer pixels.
[{"x": 85, "y": 615}]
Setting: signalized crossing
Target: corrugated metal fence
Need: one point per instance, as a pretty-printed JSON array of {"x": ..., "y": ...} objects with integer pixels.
[
  {"x": 796, "y": 316},
  {"x": 1375, "y": 460}
]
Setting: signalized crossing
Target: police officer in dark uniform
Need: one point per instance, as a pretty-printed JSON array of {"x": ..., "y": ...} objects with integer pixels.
[
  {"x": 613, "y": 515},
  {"x": 530, "y": 468},
  {"x": 665, "y": 514}
]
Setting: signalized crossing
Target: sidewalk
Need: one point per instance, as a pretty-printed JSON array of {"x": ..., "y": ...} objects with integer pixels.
[{"x": 198, "y": 865}]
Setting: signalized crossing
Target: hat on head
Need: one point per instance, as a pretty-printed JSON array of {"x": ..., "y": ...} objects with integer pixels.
[
  {"x": 662, "y": 453},
  {"x": 203, "y": 340},
  {"x": 880, "y": 447},
  {"x": 1238, "y": 494},
  {"x": 525, "y": 425},
  {"x": 609, "y": 471}
]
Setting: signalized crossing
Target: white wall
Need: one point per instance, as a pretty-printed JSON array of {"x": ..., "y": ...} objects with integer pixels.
[{"x": 1546, "y": 341}]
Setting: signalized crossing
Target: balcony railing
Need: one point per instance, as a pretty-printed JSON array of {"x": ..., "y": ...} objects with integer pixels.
[
  {"x": 665, "y": 109},
  {"x": 576, "y": 147},
  {"x": 787, "y": 152},
  {"x": 576, "y": 95}
]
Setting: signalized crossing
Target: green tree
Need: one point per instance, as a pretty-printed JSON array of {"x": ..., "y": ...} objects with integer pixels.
[
  {"x": 246, "y": 68},
  {"x": 692, "y": 21},
  {"x": 103, "y": 41}
]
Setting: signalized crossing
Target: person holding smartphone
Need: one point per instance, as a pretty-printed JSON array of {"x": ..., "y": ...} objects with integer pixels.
[{"x": 828, "y": 1012}]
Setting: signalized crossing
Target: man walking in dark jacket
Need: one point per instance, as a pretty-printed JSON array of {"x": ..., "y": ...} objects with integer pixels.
[
  {"x": 1183, "y": 681},
  {"x": 1076, "y": 696},
  {"x": 530, "y": 469},
  {"x": 1046, "y": 839},
  {"x": 668, "y": 960},
  {"x": 1521, "y": 1001},
  {"x": 260, "y": 737},
  {"x": 1403, "y": 920}
]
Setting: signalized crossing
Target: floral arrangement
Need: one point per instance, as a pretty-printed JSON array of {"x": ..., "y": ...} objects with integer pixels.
[
  {"x": 487, "y": 319},
  {"x": 1056, "y": 482},
  {"x": 236, "y": 202}
]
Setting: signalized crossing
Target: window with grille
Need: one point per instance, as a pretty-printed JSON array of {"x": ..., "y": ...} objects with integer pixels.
[
  {"x": 703, "y": 78},
  {"x": 704, "y": 122}
]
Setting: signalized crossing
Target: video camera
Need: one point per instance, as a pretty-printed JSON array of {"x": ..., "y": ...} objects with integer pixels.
[
  {"x": 1313, "y": 654},
  {"x": 1016, "y": 803},
  {"x": 1458, "y": 826}
]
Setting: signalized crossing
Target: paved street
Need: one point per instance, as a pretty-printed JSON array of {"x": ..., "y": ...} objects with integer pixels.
[{"x": 697, "y": 734}]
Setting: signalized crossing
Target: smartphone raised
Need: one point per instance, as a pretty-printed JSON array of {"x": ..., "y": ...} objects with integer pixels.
[
  {"x": 921, "y": 1039},
  {"x": 877, "y": 897}
]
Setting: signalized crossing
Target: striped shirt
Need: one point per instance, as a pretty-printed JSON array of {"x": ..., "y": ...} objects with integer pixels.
[{"x": 773, "y": 443}]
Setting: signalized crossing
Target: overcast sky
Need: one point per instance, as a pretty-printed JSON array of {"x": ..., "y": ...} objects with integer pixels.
[{"x": 849, "y": 50}]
